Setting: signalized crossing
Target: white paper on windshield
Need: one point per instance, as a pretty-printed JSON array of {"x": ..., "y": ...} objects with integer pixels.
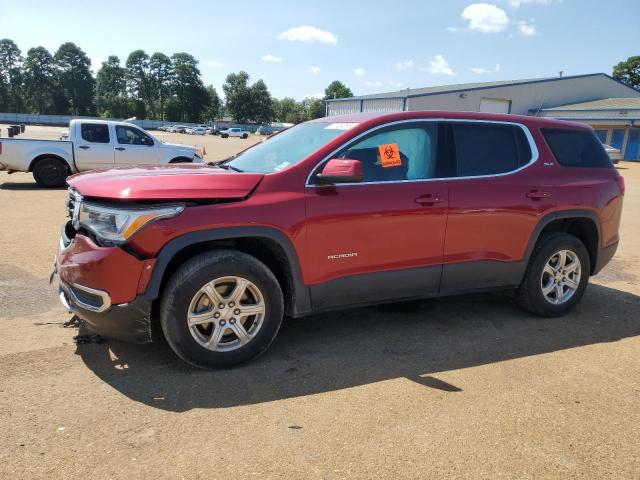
[
  {"x": 280, "y": 166},
  {"x": 340, "y": 126}
]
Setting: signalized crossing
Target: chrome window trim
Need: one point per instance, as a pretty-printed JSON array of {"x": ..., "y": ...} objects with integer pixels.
[{"x": 532, "y": 145}]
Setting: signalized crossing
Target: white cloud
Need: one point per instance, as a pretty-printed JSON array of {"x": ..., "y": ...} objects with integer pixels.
[
  {"x": 373, "y": 84},
  {"x": 359, "y": 71},
  {"x": 405, "y": 65},
  {"x": 314, "y": 70},
  {"x": 271, "y": 58},
  {"x": 452, "y": 29},
  {"x": 527, "y": 29},
  {"x": 485, "y": 71},
  {"x": 485, "y": 18},
  {"x": 212, "y": 63},
  {"x": 438, "y": 66},
  {"x": 518, "y": 3},
  {"x": 396, "y": 84},
  {"x": 306, "y": 33}
]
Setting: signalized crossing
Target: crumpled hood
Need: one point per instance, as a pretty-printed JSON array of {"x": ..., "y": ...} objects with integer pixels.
[{"x": 166, "y": 182}]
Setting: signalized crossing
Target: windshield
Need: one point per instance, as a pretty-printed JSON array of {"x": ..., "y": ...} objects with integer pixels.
[{"x": 287, "y": 148}]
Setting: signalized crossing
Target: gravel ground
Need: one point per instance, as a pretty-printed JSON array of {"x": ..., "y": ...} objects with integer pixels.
[{"x": 466, "y": 387}]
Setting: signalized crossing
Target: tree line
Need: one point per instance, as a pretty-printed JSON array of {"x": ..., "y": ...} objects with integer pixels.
[{"x": 154, "y": 86}]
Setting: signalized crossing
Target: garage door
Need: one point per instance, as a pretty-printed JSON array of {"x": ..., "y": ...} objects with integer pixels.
[{"x": 495, "y": 105}]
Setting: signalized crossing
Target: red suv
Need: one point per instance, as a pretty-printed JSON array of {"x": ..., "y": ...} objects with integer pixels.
[{"x": 339, "y": 212}]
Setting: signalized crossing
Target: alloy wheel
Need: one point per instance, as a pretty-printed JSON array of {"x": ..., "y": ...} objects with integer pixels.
[
  {"x": 561, "y": 277},
  {"x": 226, "y": 313}
]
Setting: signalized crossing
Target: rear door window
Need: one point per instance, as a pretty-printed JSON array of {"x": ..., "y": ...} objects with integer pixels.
[
  {"x": 576, "y": 148},
  {"x": 95, "y": 132},
  {"x": 488, "y": 149}
]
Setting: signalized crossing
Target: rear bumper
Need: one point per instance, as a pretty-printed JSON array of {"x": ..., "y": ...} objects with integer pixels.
[
  {"x": 605, "y": 254},
  {"x": 101, "y": 285}
]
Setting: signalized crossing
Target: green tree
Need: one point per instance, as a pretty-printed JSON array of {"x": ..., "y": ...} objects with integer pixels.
[
  {"x": 238, "y": 96},
  {"x": 337, "y": 89},
  {"x": 188, "y": 88},
  {"x": 214, "y": 106},
  {"x": 39, "y": 80},
  {"x": 628, "y": 72},
  {"x": 261, "y": 104},
  {"x": 138, "y": 78},
  {"x": 161, "y": 74},
  {"x": 288, "y": 110},
  {"x": 74, "y": 77},
  {"x": 312, "y": 108},
  {"x": 111, "y": 91},
  {"x": 4, "y": 95},
  {"x": 11, "y": 71}
]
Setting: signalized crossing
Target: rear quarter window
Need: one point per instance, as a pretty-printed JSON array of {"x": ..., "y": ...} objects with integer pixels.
[{"x": 576, "y": 148}]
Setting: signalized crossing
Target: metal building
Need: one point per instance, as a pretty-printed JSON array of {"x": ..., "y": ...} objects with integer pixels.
[{"x": 525, "y": 97}]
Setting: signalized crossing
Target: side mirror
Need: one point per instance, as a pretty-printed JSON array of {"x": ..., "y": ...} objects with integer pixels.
[{"x": 341, "y": 170}]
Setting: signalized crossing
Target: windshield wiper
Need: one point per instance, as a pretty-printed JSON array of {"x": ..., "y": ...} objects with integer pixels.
[{"x": 229, "y": 167}]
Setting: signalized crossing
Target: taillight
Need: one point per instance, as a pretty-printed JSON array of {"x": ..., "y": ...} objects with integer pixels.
[{"x": 620, "y": 180}]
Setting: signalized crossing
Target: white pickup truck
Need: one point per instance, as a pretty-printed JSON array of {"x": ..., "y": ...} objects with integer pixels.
[
  {"x": 92, "y": 144},
  {"x": 234, "y": 132}
]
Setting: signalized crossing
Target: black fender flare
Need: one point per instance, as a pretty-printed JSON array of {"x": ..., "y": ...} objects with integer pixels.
[
  {"x": 302, "y": 299},
  {"x": 559, "y": 215}
]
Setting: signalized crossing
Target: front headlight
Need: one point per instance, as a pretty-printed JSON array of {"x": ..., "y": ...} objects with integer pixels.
[{"x": 113, "y": 225}]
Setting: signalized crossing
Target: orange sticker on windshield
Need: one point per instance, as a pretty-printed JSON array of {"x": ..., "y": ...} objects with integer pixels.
[{"x": 389, "y": 155}]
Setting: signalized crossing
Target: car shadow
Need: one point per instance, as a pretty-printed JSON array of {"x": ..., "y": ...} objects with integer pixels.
[{"x": 356, "y": 347}]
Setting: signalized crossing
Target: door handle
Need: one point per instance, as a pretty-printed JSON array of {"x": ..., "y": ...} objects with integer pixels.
[
  {"x": 538, "y": 194},
  {"x": 120, "y": 148},
  {"x": 428, "y": 200},
  {"x": 84, "y": 147}
]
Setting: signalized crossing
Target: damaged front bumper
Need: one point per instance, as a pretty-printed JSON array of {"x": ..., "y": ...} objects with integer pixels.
[
  {"x": 101, "y": 285},
  {"x": 130, "y": 322}
]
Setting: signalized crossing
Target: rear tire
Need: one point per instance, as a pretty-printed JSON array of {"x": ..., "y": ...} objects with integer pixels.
[
  {"x": 245, "y": 136},
  {"x": 50, "y": 173},
  {"x": 205, "y": 310},
  {"x": 557, "y": 276}
]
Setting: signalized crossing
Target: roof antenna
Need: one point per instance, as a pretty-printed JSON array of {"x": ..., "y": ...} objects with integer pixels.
[{"x": 560, "y": 73}]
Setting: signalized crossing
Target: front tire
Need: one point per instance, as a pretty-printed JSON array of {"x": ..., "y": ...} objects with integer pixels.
[
  {"x": 50, "y": 173},
  {"x": 221, "y": 308},
  {"x": 557, "y": 276}
]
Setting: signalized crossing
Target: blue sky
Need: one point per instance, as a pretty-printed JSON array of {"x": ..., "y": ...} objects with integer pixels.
[{"x": 298, "y": 48}]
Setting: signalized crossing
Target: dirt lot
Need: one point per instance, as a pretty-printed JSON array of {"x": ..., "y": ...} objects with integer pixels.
[{"x": 467, "y": 387}]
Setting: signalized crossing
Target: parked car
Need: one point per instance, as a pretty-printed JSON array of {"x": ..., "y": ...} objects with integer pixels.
[
  {"x": 340, "y": 212},
  {"x": 234, "y": 132},
  {"x": 178, "y": 129},
  {"x": 614, "y": 153},
  {"x": 91, "y": 144},
  {"x": 198, "y": 131}
]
